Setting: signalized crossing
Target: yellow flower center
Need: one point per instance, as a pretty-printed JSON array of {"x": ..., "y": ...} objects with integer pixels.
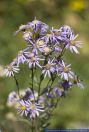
[
  {"x": 23, "y": 107},
  {"x": 9, "y": 67},
  {"x": 47, "y": 50},
  {"x": 66, "y": 69},
  {"x": 33, "y": 59},
  {"x": 39, "y": 43},
  {"x": 47, "y": 66},
  {"x": 72, "y": 42}
]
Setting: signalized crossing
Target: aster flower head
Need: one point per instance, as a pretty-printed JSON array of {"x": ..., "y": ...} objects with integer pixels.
[
  {"x": 50, "y": 39},
  {"x": 73, "y": 44},
  {"x": 27, "y": 36},
  {"x": 66, "y": 85},
  {"x": 65, "y": 31},
  {"x": 40, "y": 43},
  {"x": 78, "y": 82},
  {"x": 33, "y": 59},
  {"x": 46, "y": 50},
  {"x": 65, "y": 71},
  {"x": 30, "y": 95},
  {"x": 23, "y": 108},
  {"x": 13, "y": 98},
  {"x": 38, "y": 27},
  {"x": 49, "y": 68},
  {"x": 58, "y": 92},
  {"x": 21, "y": 58},
  {"x": 57, "y": 33},
  {"x": 35, "y": 109},
  {"x": 10, "y": 70}
]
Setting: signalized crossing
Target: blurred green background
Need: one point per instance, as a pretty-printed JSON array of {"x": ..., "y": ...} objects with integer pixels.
[{"x": 73, "y": 111}]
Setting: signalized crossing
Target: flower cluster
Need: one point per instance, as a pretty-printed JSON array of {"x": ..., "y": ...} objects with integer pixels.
[{"x": 44, "y": 52}]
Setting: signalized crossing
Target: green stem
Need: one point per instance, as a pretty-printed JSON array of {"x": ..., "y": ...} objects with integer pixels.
[
  {"x": 33, "y": 81},
  {"x": 17, "y": 84},
  {"x": 32, "y": 126},
  {"x": 36, "y": 125},
  {"x": 55, "y": 106},
  {"x": 32, "y": 78},
  {"x": 48, "y": 82},
  {"x": 62, "y": 52},
  {"x": 39, "y": 88}
]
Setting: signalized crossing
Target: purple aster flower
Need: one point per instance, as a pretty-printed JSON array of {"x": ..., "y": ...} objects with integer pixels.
[
  {"x": 12, "y": 98},
  {"x": 78, "y": 82},
  {"x": 28, "y": 37},
  {"x": 30, "y": 95},
  {"x": 40, "y": 43},
  {"x": 58, "y": 91},
  {"x": 46, "y": 50},
  {"x": 66, "y": 84},
  {"x": 33, "y": 59},
  {"x": 49, "y": 68},
  {"x": 73, "y": 44},
  {"x": 55, "y": 92},
  {"x": 38, "y": 27},
  {"x": 50, "y": 39},
  {"x": 10, "y": 70},
  {"x": 65, "y": 71},
  {"x": 21, "y": 58},
  {"x": 23, "y": 108},
  {"x": 65, "y": 31},
  {"x": 58, "y": 62},
  {"x": 57, "y": 34},
  {"x": 35, "y": 109}
]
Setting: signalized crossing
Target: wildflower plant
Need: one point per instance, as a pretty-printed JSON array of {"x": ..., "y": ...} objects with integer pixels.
[{"x": 43, "y": 55}]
